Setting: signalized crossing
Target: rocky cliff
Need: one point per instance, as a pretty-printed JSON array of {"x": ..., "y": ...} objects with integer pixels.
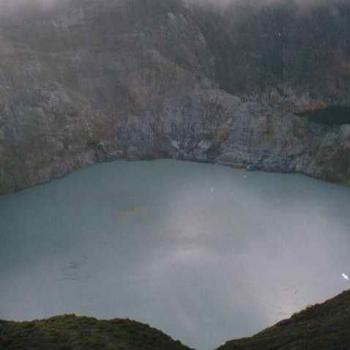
[{"x": 240, "y": 84}]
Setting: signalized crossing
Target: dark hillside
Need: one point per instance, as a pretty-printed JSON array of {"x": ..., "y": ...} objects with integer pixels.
[
  {"x": 83, "y": 333},
  {"x": 320, "y": 327},
  {"x": 258, "y": 45}
]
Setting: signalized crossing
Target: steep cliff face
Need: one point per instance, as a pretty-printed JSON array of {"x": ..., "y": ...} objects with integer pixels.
[
  {"x": 321, "y": 327},
  {"x": 85, "y": 80}
]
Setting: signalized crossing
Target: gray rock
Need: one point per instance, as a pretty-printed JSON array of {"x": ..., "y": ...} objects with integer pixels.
[{"x": 88, "y": 81}]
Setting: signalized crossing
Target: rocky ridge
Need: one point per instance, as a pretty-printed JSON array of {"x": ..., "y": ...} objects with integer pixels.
[{"x": 83, "y": 81}]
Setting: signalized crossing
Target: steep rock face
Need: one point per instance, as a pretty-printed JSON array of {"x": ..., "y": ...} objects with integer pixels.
[
  {"x": 321, "y": 327},
  {"x": 85, "y": 80}
]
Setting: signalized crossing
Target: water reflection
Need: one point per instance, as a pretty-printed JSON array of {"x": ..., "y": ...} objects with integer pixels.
[{"x": 203, "y": 252}]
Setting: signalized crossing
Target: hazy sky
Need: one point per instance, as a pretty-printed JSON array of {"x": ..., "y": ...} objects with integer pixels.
[
  {"x": 14, "y": 3},
  {"x": 10, "y": 6}
]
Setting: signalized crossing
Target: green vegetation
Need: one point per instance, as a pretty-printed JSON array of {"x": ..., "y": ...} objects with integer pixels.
[
  {"x": 86, "y": 81},
  {"x": 333, "y": 115},
  {"x": 70, "y": 332},
  {"x": 320, "y": 327}
]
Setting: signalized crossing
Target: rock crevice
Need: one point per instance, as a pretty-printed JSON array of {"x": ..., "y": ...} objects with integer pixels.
[{"x": 86, "y": 81}]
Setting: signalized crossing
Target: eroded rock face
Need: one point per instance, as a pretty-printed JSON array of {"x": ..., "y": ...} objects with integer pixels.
[{"x": 85, "y": 81}]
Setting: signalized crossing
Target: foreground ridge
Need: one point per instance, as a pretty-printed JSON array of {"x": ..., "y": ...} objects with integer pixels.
[
  {"x": 72, "y": 332},
  {"x": 320, "y": 327},
  {"x": 323, "y": 327}
]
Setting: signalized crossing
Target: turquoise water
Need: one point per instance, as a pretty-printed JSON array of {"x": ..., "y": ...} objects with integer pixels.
[{"x": 203, "y": 252}]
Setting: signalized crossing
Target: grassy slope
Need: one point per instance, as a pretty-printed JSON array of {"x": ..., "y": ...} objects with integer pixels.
[
  {"x": 83, "y": 333},
  {"x": 320, "y": 327}
]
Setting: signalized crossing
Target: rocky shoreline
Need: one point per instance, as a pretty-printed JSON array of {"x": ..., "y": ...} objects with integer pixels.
[{"x": 175, "y": 80}]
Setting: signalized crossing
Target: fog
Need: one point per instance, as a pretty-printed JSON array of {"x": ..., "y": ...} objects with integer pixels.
[
  {"x": 300, "y": 3},
  {"x": 7, "y": 5},
  {"x": 10, "y": 8},
  {"x": 202, "y": 252}
]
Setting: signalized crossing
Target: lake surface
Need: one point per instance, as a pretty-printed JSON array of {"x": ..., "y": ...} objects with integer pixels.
[{"x": 203, "y": 252}]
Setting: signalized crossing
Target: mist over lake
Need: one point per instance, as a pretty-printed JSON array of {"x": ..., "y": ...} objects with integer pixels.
[{"x": 204, "y": 252}]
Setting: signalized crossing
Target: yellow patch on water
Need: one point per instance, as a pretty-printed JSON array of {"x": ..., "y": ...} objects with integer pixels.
[
  {"x": 135, "y": 210},
  {"x": 124, "y": 213}
]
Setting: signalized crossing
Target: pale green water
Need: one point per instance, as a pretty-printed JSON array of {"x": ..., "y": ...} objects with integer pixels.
[{"x": 203, "y": 252}]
